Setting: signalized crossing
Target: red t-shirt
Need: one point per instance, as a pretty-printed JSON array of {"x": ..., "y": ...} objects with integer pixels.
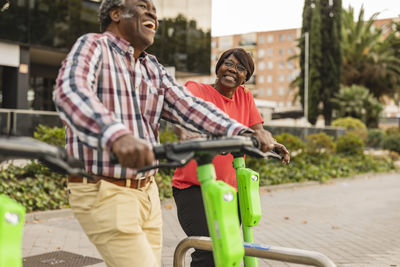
[{"x": 241, "y": 108}]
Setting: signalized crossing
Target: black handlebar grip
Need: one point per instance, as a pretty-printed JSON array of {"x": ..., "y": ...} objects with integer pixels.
[{"x": 256, "y": 142}]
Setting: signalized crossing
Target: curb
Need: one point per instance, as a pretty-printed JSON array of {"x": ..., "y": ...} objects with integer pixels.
[
  {"x": 62, "y": 213},
  {"x": 48, "y": 214}
]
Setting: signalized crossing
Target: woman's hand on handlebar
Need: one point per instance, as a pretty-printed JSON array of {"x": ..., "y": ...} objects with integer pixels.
[{"x": 133, "y": 152}]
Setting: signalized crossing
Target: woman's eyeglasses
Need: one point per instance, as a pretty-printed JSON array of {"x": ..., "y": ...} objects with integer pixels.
[{"x": 239, "y": 67}]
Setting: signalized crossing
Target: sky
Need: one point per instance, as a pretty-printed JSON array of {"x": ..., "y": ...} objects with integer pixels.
[{"x": 243, "y": 16}]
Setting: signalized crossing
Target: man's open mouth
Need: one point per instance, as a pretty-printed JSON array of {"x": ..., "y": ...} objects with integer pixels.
[{"x": 150, "y": 25}]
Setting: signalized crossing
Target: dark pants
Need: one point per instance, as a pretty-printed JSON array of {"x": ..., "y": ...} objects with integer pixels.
[{"x": 192, "y": 218}]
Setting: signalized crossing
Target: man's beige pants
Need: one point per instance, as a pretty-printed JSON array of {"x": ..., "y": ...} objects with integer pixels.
[{"x": 125, "y": 224}]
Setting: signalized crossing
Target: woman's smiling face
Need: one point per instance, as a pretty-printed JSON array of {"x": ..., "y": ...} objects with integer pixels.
[{"x": 231, "y": 73}]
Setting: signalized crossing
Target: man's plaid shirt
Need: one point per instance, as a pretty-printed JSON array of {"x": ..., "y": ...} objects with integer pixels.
[{"x": 102, "y": 93}]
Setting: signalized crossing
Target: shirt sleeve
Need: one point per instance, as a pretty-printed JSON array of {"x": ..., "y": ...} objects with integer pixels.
[
  {"x": 254, "y": 115},
  {"x": 193, "y": 113},
  {"x": 76, "y": 100},
  {"x": 194, "y": 88}
]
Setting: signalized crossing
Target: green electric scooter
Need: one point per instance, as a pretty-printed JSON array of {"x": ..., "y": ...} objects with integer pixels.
[
  {"x": 220, "y": 200},
  {"x": 220, "y": 204}
]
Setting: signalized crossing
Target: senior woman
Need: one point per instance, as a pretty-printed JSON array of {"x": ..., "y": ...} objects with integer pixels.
[{"x": 234, "y": 67}]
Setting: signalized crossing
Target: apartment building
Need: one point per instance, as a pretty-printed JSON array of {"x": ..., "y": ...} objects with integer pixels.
[{"x": 273, "y": 53}]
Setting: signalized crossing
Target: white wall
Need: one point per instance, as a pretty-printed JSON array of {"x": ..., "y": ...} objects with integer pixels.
[{"x": 9, "y": 55}]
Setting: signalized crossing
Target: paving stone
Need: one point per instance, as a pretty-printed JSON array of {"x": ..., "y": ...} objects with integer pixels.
[{"x": 355, "y": 222}]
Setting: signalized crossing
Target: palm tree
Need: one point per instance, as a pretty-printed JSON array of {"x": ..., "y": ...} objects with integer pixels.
[
  {"x": 357, "y": 102},
  {"x": 368, "y": 60}
]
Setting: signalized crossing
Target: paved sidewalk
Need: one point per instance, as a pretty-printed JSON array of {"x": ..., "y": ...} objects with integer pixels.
[{"x": 355, "y": 222}]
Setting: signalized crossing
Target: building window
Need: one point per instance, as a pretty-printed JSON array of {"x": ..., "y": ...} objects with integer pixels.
[
  {"x": 281, "y": 37},
  {"x": 290, "y": 65},
  {"x": 269, "y": 79},
  {"x": 269, "y": 92},
  {"x": 225, "y": 42},
  {"x": 214, "y": 44},
  {"x": 290, "y": 37},
  {"x": 290, "y": 51},
  {"x": 281, "y": 78},
  {"x": 270, "y": 38},
  {"x": 261, "y": 53},
  {"x": 281, "y": 104},
  {"x": 269, "y": 52},
  {"x": 281, "y": 64},
  {"x": 261, "y": 40},
  {"x": 261, "y": 65},
  {"x": 289, "y": 104},
  {"x": 261, "y": 79},
  {"x": 270, "y": 65},
  {"x": 281, "y": 51},
  {"x": 260, "y": 92},
  {"x": 281, "y": 91}
]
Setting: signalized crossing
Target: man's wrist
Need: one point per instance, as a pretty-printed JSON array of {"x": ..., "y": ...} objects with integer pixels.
[{"x": 246, "y": 131}]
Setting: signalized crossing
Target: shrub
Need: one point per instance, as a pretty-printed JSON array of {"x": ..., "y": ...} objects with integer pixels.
[
  {"x": 349, "y": 123},
  {"x": 392, "y": 130},
  {"x": 291, "y": 142},
  {"x": 350, "y": 144},
  {"x": 167, "y": 135},
  {"x": 392, "y": 142},
  {"x": 164, "y": 184},
  {"x": 308, "y": 167},
  {"x": 375, "y": 138},
  {"x": 50, "y": 135},
  {"x": 34, "y": 186},
  {"x": 320, "y": 143},
  {"x": 352, "y": 125}
]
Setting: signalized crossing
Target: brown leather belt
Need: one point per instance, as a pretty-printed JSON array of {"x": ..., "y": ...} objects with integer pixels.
[{"x": 131, "y": 183}]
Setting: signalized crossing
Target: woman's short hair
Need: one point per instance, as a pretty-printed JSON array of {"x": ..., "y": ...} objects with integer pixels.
[
  {"x": 104, "y": 12},
  {"x": 242, "y": 56}
]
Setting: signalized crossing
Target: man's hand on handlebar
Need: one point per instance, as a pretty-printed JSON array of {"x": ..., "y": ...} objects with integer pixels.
[
  {"x": 133, "y": 152},
  {"x": 269, "y": 143}
]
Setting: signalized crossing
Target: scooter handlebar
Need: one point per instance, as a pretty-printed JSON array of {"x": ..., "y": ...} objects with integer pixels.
[{"x": 56, "y": 158}]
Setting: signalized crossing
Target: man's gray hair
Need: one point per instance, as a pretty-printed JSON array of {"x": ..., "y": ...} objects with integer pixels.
[{"x": 105, "y": 7}]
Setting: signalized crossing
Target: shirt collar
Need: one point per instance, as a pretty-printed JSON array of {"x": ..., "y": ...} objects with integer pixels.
[{"x": 122, "y": 45}]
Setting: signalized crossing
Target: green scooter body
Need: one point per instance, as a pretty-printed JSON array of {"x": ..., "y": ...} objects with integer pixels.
[
  {"x": 249, "y": 195},
  {"x": 220, "y": 204},
  {"x": 12, "y": 218},
  {"x": 249, "y": 202}
]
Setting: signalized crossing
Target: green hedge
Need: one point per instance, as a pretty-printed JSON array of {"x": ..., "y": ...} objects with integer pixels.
[
  {"x": 306, "y": 167},
  {"x": 38, "y": 188},
  {"x": 34, "y": 186}
]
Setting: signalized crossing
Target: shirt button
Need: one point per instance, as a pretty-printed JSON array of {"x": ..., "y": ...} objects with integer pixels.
[{"x": 130, "y": 50}]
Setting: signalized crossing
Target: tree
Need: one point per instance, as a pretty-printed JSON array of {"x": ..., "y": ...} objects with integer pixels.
[
  {"x": 306, "y": 25},
  {"x": 332, "y": 59},
  {"x": 315, "y": 83},
  {"x": 357, "y": 102},
  {"x": 322, "y": 20},
  {"x": 181, "y": 43},
  {"x": 368, "y": 58}
]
